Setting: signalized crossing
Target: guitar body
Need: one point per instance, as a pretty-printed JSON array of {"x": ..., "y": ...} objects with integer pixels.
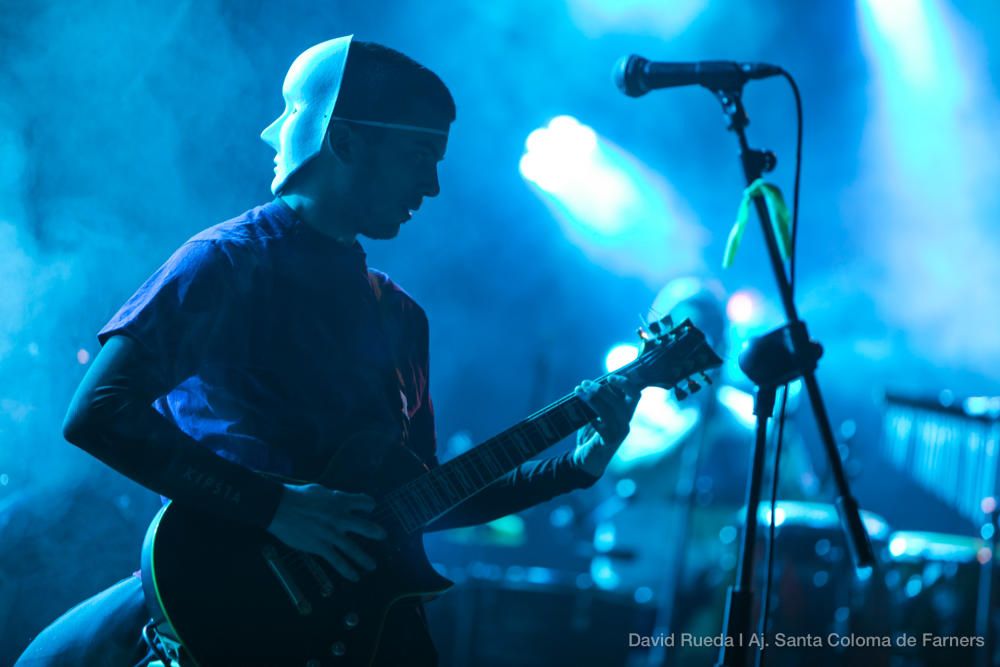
[{"x": 237, "y": 596}]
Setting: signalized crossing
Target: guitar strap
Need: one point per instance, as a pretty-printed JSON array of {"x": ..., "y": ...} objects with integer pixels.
[
  {"x": 395, "y": 386},
  {"x": 384, "y": 423}
]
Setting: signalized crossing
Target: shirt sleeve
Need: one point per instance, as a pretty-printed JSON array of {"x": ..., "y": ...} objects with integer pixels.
[
  {"x": 527, "y": 485},
  {"x": 178, "y": 314}
]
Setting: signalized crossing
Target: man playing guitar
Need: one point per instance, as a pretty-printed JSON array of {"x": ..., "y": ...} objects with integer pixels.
[{"x": 265, "y": 344}]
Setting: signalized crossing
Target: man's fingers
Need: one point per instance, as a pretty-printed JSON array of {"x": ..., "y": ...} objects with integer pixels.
[
  {"x": 613, "y": 401},
  {"x": 361, "y": 527},
  {"x": 350, "y": 549},
  {"x": 610, "y": 405},
  {"x": 340, "y": 564},
  {"x": 359, "y": 502},
  {"x": 624, "y": 387}
]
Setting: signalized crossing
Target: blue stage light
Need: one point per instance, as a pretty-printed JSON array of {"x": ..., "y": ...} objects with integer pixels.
[
  {"x": 616, "y": 209},
  {"x": 650, "y": 17},
  {"x": 928, "y": 155},
  {"x": 620, "y": 355}
]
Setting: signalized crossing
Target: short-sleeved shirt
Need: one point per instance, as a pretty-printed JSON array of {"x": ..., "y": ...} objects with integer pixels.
[{"x": 283, "y": 342}]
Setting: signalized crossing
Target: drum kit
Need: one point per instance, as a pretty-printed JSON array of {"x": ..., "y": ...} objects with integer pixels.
[
  {"x": 920, "y": 595},
  {"x": 926, "y": 602}
]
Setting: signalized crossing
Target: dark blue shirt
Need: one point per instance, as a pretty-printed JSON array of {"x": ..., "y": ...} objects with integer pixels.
[{"x": 284, "y": 346}]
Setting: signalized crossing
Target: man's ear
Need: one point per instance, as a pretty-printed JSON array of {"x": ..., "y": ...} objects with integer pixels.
[{"x": 341, "y": 141}]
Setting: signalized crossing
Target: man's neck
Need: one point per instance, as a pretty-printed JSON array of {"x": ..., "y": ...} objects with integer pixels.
[{"x": 321, "y": 218}]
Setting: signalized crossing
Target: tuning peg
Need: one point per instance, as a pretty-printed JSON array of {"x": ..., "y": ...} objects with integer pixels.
[
  {"x": 705, "y": 377},
  {"x": 642, "y": 333},
  {"x": 655, "y": 327},
  {"x": 692, "y": 386},
  {"x": 679, "y": 393}
]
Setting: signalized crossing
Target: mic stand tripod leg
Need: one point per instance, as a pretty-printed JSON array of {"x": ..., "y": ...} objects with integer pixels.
[{"x": 737, "y": 626}]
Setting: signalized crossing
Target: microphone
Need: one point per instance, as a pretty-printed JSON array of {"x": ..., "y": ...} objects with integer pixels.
[{"x": 635, "y": 76}]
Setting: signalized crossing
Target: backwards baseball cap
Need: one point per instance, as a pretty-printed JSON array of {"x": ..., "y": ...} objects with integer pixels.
[{"x": 311, "y": 89}]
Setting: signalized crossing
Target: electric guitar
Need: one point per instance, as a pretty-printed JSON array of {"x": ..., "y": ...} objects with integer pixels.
[{"x": 231, "y": 595}]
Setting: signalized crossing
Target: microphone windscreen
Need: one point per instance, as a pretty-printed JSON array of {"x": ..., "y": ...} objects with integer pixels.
[{"x": 627, "y": 75}]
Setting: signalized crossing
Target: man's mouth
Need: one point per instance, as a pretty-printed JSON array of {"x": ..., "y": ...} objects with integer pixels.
[{"x": 410, "y": 210}]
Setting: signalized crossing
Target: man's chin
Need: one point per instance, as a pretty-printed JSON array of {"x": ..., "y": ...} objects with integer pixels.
[{"x": 383, "y": 233}]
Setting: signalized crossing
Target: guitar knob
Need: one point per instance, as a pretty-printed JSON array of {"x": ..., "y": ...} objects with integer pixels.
[
  {"x": 352, "y": 620},
  {"x": 338, "y": 649}
]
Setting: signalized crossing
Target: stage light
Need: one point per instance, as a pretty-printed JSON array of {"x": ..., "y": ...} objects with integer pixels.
[
  {"x": 740, "y": 404},
  {"x": 625, "y": 488},
  {"x": 643, "y": 594},
  {"x": 621, "y": 213},
  {"x": 565, "y": 161},
  {"x": 743, "y": 308},
  {"x": 620, "y": 355},
  {"x": 931, "y": 130},
  {"x": 599, "y": 17},
  {"x": 903, "y": 27},
  {"x": 659, "y": 425},
  {"x": 898, "y": 546},
  {"x": 562, "y": 516},
  {"x": 604, "y": 537},
  {"x": 559, "y": 155},
  {"x": 602, "y": 572},
  {"x": 977, "y": 406},
  {"x": 82, "y": 356},
  {"x": 539, "y": 575}
]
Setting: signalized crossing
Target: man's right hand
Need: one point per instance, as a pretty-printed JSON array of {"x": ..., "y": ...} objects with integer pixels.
[{"x": 312, "y": 518}]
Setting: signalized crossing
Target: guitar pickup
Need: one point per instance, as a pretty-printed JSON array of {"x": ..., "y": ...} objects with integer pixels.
[{"x": 325, "y": 585}]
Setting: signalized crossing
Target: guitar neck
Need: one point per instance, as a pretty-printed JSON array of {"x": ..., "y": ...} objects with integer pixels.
[{"x": 437, "y": 491}]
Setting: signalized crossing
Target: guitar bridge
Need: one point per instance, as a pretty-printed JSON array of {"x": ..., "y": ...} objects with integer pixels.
[{"x": 294, "y": 593}]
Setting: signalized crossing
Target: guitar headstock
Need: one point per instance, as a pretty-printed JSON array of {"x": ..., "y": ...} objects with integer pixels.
[{"x": 671, "y": 357}]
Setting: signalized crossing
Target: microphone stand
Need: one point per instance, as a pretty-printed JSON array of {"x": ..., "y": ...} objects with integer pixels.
[{"x": 770, "y": 361}]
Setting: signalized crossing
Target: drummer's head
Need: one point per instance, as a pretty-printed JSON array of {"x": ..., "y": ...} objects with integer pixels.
[{"x": 701, "y": 300}]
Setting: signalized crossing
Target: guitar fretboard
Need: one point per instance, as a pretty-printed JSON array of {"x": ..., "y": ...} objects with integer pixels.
[{"x": 439, "y": 490}]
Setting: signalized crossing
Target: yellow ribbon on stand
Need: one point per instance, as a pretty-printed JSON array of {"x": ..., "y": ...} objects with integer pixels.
[{"x": 779, "y": 214}]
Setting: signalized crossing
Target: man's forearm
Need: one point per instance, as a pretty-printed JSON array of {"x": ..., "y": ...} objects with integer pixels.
[
  {"x": 112, "y": 417},
  {"x": 529, "y": 484},
  {"x": 142, "y": 445}
]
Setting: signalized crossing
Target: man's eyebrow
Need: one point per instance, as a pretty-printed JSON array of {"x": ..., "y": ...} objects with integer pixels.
[{"x": 430, "y": 145}]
